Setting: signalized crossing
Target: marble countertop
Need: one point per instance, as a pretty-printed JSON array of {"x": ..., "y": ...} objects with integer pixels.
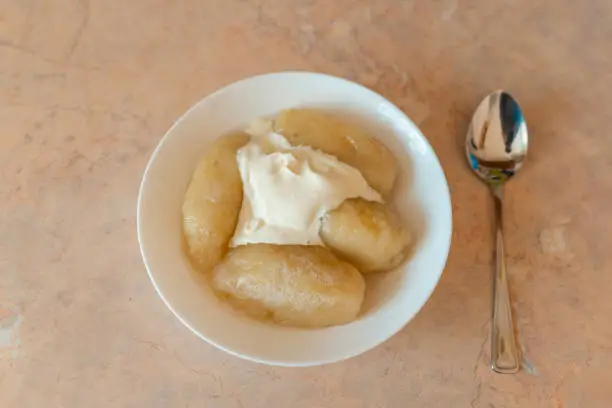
[{"x": 88, "y": 87}]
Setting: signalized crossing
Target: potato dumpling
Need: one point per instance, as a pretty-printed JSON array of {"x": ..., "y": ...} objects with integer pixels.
[
  {"x": 213, "y": 201},
  {"x": 348, "y": 143},
  {"x": 366, "y": 234},
  {"x": 305, "y": 286}
]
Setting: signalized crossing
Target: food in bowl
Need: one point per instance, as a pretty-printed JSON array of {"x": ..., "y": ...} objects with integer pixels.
[
  {"x": 286, "y": 218},
  {"x": 288, "y": 189}
]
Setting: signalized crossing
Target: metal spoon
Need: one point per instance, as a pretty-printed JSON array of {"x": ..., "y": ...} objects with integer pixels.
[{"x": 496, "y": 145}]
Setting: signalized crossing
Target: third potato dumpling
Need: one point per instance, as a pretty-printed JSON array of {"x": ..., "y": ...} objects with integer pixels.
[
  {"x": 366, "y": 234},
  {"x": 350, "y": 144},
  {"x": 293, "y": 285}
]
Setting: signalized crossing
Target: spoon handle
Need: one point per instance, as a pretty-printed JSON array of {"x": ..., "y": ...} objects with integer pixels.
[{"x": 504, "y": 353}]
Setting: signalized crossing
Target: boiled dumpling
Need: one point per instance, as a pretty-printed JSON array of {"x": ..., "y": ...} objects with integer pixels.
[
  {"x": 213, "y": 201},
  {"x": 348, "y": 143},
  {"x": 366, "y": 234},
  {"x": 304, "y": 286}
]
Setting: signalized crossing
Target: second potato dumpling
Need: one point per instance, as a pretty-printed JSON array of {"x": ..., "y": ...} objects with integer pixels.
[
  {"x": 366, "y": 234},
  {"x": 293, "y": 285},
  {"x": 350, "y": 144}
]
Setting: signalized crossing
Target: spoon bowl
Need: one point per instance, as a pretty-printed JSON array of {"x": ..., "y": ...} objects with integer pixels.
[{"x": 497, "y": 140}]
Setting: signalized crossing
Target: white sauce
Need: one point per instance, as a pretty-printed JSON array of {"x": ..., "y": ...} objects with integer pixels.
[{"x": 287, "y": 190}]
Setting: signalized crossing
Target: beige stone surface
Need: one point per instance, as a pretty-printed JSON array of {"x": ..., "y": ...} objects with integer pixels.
[{"x": 88, "y": 87}]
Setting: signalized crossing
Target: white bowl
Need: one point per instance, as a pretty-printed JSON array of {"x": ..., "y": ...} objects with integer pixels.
[{"x": 392, "y": 298}]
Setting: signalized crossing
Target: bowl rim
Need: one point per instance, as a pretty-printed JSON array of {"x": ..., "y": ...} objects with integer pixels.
[{"x": 284, "y": 363}]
